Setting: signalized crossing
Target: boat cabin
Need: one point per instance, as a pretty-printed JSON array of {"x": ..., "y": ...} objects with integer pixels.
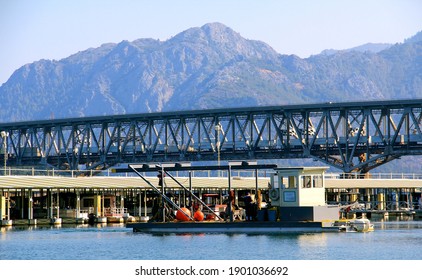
[{"x": 299, "y": 194}]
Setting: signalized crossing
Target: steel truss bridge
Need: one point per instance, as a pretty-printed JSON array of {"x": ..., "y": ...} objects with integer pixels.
[{"x": 354, "y": 137}]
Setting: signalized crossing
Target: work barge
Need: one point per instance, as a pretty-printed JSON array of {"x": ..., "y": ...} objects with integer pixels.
[
  {"x": 132, "y": 194},
  {"x": 298, "y": 205}
]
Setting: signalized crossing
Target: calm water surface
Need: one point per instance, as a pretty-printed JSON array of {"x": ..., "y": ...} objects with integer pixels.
[{"x": 391, "y": 240}]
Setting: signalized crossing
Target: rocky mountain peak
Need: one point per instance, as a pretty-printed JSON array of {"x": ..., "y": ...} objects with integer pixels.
[
  {"x": 414, "y": 39},
  {"x": 210, "y": 32},
  {"x": 211, "y": 66}
]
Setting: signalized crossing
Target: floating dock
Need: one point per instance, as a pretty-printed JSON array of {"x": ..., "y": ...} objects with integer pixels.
[
  {"x": 230, "y": 227},
  {"x": 32, "y": 196}
]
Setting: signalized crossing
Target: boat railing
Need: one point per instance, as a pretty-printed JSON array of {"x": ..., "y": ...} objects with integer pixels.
[{"x": 114, "y": 212}]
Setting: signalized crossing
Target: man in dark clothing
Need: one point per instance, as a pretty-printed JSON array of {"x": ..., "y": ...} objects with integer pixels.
[{"x": 247, "y": 199}]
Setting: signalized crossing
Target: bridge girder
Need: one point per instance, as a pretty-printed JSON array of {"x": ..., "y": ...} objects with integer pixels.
[{"x": 356, "y": 136}]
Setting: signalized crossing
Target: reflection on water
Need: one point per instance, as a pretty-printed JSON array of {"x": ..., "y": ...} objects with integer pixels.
[
  {"x": 394, "y": 218},
  {"x": 392, "y": 239},
  {"x": 312, "y": 240},
  {"x": 396, "y": 222}
]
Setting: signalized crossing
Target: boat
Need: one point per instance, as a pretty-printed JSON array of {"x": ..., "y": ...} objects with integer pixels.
[
  {"x": 354, "y": 225},
  {"x": 56, "y": 221},
  {"x": 297, "y": 200}
]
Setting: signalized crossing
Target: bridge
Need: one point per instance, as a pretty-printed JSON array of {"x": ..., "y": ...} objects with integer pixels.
[{"x": 353, "y": 136}]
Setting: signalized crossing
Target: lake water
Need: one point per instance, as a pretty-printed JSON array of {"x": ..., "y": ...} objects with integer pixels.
[{"x": 391, "y": 240}]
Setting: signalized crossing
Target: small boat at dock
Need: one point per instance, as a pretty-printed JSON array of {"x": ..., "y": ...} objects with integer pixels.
[{"x": 354, "y": 225}]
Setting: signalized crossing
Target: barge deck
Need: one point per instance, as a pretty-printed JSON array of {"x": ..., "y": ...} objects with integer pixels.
[{"x": 230, "y": 227}]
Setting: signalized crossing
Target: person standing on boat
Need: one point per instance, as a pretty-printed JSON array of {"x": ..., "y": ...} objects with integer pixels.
[
  {"x": 231, "y": 206},
  {"x": 247, "y": 199}
]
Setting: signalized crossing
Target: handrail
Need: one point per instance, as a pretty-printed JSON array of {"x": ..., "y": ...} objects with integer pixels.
[
  {"x": 235, "y": 174},
  {"x": 389, "y": 205}
]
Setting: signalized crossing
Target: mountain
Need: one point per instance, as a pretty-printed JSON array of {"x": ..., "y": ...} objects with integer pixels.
[
  {"x": 415, "y": 38},
  {"x": 205, "y": 67},
  {"x": 369, "y": 47}
]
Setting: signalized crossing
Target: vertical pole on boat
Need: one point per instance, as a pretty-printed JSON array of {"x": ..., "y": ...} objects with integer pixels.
[
  {"x": 145, "y": 203},
  {"x": 256, "y": 183},
  {"x": 229, "y": 173},
  {"x": 190, "y": 191},
  {"x": 257, "y": 195},
  {"x": 163, "y": 192},
  {"x": 194, "y": 196},
  {"x": 163, "y": 196}
]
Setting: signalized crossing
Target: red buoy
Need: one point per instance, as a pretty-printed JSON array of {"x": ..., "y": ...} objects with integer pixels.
[
  {"x": 198, "y": 216},
  {"x": 180, "y": 216},
  {"x": 210, "y": 217}
]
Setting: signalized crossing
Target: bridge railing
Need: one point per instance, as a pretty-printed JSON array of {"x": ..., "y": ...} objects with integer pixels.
[{"x": 11, "y": 171}]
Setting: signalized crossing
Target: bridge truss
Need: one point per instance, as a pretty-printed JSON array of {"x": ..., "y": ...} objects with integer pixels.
[{"x": 354, "y": 136}]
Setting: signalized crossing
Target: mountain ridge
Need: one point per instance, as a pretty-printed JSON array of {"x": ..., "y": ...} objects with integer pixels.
[{"x": 205, "y": 67}]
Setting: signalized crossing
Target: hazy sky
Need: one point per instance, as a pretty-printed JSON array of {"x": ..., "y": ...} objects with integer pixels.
[{"x": 31, "y": 30}]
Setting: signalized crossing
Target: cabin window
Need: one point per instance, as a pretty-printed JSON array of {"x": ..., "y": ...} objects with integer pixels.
[
  {"x": 275, "y": 181},
  {"x": 318, "y": 181},
  {"x": 292, "y": 184},
  {"x": 306, "y": 182}
]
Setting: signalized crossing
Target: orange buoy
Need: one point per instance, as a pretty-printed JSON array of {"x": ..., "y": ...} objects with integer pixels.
[
  {"x": 210, "y": 217},
  {"x": 180, "y": 216},
  {"x": 198, "y": 216}
]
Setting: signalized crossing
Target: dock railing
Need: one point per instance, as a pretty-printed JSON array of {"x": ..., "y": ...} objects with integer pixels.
[
  {"x": 114, "y": 211},
  {"x": 375, "y": 206},
  {"x": 382, "y": 176}
]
